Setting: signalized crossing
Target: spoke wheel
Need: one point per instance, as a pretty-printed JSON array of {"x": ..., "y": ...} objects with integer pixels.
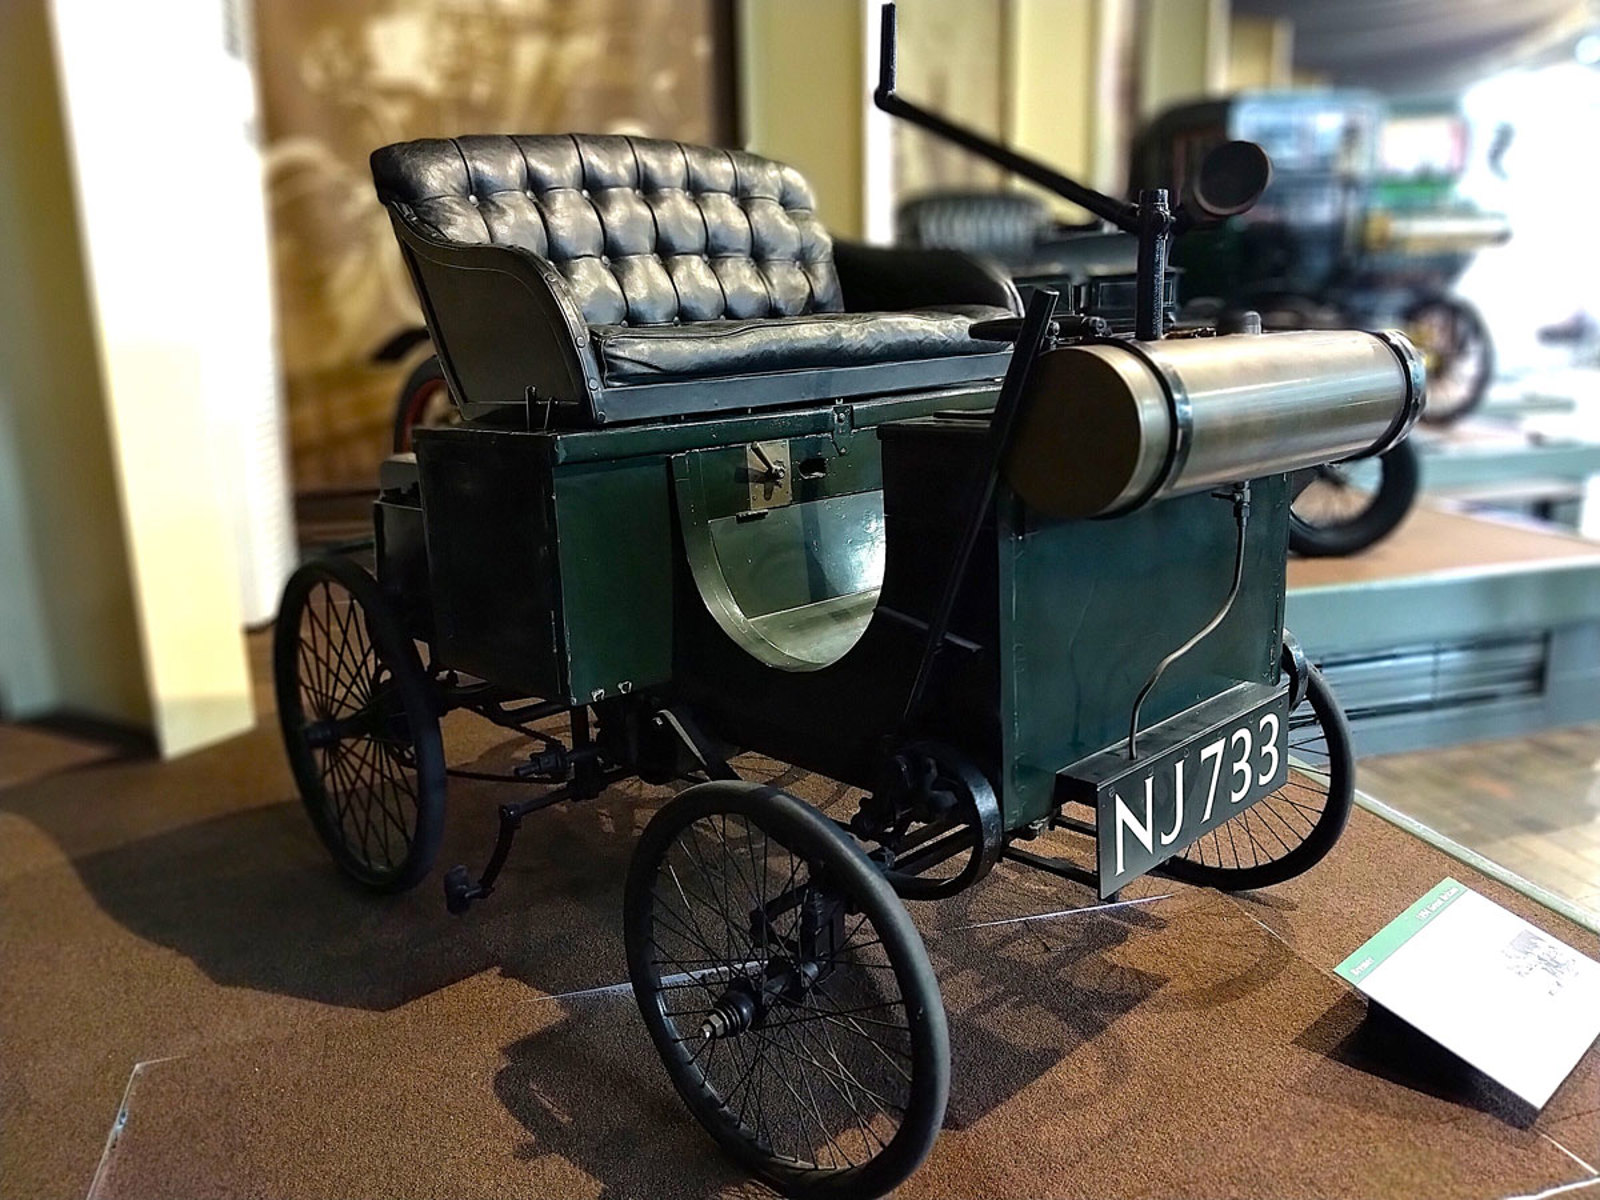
[
  {"x": 1291, "y": 830},
  {"x": 359, "y": 725},
  {"x": 424, "y": 401},
  {"x": 1458, "y": 354},
  {"x": 787, "y": 992},
  {"x": 1335, "y": 515}
]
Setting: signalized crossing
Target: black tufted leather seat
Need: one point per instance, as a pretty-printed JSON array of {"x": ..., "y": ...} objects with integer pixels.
[
  {"x": 607, "y": 273},
  {"x": 1015, "y": 229}
]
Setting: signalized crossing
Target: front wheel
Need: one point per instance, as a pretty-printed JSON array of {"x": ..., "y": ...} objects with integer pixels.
[
  {"x": 787, "y": 991},
  {"x": 1290, "y": 831},
  {"x": 1335, "y": 514}
]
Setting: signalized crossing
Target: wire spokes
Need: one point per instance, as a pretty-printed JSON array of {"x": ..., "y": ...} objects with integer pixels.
[
  {"x": 362, "y": 751},
  {"x": 817, "y": 1074}
]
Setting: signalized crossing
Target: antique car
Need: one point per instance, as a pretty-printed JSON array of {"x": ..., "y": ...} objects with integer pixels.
[{"x": 722, "y": 485}]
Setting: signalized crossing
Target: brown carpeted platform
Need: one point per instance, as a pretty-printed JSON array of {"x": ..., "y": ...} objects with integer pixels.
[
  {"x": 302, "y": 1039},
  {"x": 1433, "y": 540}
]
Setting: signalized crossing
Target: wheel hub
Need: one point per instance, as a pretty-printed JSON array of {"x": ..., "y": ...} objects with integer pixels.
[{"x": 734, "y": 1012}]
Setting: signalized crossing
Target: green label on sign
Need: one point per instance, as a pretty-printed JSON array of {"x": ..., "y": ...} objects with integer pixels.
[{"x": 1398, "y": 931}]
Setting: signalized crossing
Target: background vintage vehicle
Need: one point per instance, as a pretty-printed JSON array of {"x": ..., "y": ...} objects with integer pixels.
[
  {"x": 1340, "y": 238},
  {"x": 1336, "y": 511},
  {"x": 723, "y": 484}
]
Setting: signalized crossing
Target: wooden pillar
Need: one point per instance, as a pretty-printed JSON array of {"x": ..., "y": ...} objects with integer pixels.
[
  {"x": 1064, "y": 75},
  {"x": 141, "y": 293},
  {"x": 806, "y": 72}
]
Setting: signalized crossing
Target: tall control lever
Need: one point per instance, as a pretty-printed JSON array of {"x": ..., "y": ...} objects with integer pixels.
[{"x": 1230, "y": 180}]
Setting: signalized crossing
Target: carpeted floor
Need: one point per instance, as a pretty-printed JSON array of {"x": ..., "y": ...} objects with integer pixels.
[{"x": 193, "y": 1004}]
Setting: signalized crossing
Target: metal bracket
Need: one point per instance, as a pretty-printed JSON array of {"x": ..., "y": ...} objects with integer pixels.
[
  {"x": 1297, "y": 667},
  {"x": 769, "y": 473}
]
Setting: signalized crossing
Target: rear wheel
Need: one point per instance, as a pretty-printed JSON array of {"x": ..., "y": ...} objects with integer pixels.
[
  {"x": 1290, "y": 831},
  {"x": 359, "y": 725},
  {"x": 787, "y": 991},
  {"x": 1335, "y": 513},
  {"x": 424, "y": 401},
  {"x": 1459, "y": 355}
]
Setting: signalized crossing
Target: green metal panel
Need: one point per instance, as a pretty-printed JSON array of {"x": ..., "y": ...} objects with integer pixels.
[
  {"x": 492, "y": 563},
  {"x": 614, "y": 538},
  {"x": 1088, "y": 608}
]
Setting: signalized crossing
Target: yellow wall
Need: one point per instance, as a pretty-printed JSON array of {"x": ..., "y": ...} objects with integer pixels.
[
  {"x": 803, "y": 97},
  {"x": 1064, "y": 79},
  {"x": 1260, "y": 53},
  {"x": 1183, "y": 52},
  {"x": 119, "y": 593},
  {"x": 162, "y": 307}
]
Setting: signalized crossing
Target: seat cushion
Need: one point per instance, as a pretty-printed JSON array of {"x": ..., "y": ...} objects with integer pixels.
[{"x": 713, "y": 349}]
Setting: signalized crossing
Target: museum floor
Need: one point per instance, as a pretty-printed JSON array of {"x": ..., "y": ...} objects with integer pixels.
[
  {"x": 193, "y": 1004},
  {"x": 1530, "y": 804}
]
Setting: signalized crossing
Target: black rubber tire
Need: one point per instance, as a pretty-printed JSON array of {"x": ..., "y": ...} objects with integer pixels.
[
  {"x": 412, "y": 729},
  {"x": 1470, "y": 320},
  {"x": 424, "y": 382},
  {"x": 1324, "y": 829},
  {"x": 1400, "y": 472},
  {"x": 803, "y": 831}
]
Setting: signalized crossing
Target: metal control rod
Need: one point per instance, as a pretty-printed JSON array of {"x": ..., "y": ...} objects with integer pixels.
[
  {"x": 1123, "y": 216},
  {"x": 1151, "y": 219},
  {"x": 1033, "y": 337}
]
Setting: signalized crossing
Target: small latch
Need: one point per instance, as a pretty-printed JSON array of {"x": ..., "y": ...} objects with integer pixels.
[{"x": 843, "y": 426}]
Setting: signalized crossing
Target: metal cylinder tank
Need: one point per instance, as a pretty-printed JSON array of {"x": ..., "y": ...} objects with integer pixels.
[{"x": 1111, "y": 426}]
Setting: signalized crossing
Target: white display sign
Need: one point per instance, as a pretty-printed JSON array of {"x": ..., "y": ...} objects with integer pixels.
[{"x": 1486, "y": 985}]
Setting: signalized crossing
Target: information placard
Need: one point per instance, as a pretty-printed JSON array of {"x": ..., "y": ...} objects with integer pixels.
[{"x": 1502, "y": 994}]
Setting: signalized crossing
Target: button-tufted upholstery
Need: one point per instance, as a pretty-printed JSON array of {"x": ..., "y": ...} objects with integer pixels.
[
  {"x": 644, "y": 232},
  {"x": 599, "y": 270}
]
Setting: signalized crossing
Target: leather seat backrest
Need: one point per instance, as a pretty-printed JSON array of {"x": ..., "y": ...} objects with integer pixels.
[
  {"x": 1006, "y": 224},
  {"x": 645, "y": 232}
]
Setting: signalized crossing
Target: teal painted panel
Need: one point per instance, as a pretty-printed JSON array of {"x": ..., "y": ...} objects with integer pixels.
[
  {"x": 1088, "y": 608},
  {"x": 614, "y": 534}
]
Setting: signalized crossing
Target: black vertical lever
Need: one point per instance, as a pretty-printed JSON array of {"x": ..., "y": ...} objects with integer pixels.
[{"x": 1035, "y": 334}]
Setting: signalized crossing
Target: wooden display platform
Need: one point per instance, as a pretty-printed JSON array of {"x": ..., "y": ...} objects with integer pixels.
[{"x": 1455, "y": 628}]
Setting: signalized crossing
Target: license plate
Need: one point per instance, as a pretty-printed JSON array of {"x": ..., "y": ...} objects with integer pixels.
[{"x": 1194, "y": 772}]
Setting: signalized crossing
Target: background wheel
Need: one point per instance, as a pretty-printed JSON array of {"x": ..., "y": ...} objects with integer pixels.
[
  {"x": 1459, "y": 355},
  {"x": 1290, "y": 831},
  {"x": 787, "y": 991},
  {"x": 424, "y": 400},
  {"x": 359, "y": 725},
  {"x": 1335, "y": 515}
]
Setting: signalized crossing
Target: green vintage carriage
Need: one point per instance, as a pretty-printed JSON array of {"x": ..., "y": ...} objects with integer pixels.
[{"x": 723, "y": 484}]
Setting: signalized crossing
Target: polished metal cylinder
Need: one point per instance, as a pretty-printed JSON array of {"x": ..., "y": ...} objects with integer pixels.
[
  {"x": 1436, "y": 232},
  {"x": 1111, "y": 426}
]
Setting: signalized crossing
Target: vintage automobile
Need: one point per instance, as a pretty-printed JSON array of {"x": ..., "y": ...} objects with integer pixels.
[{"x": 723, "y": 484}]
